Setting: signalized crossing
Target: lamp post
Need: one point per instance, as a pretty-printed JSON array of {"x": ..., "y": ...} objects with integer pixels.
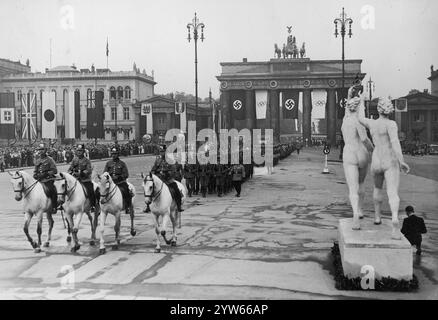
[
  {"x": 343, "y": 20},
  {"x": 195, "y": 25},
  {"x": 370, "y": 87}
]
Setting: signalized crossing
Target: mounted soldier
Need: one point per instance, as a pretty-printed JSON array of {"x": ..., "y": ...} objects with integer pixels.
[
  {"x": 45, "y": 171},
  {"x": 119, "y": 173},
  {"x": 81, "y": 169},
  {"x": 165, "y": 172},
  {"x": 177, "y": 171}
]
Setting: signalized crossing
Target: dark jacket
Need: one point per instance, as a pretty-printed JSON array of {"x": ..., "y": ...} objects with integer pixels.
[
  {"x": 45, "y": 169},
  {"x": 81, "y": 169},
  {"x": 118, "y": 171},
  {"x": 412, "y": 228}
]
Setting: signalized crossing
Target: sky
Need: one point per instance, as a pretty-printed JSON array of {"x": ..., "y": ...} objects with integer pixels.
[{"x": 396, "y": 39}]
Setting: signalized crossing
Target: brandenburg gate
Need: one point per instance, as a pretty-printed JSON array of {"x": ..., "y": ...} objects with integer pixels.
[{"x": 287, "y": 75}]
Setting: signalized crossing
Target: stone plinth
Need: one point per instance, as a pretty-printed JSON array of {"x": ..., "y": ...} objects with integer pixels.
[{"x": 372, "y": 245}]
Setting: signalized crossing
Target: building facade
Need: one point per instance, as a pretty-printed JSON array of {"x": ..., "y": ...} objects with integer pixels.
[
  {"x": 165, "y": 118},
  {"x": 279, "y": 75},
  {"x": 420, "y": 121},
  {"x": 121, "y": 90}
]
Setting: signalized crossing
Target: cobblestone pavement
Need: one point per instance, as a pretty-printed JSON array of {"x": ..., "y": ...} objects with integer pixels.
[{"x": 272, "y": 243}]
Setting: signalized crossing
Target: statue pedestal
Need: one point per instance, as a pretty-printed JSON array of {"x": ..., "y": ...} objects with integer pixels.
[{"x": 372, "y": 245}]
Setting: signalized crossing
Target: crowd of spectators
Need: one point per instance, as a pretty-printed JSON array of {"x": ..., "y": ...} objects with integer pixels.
[{"x": 25, "y": 156}]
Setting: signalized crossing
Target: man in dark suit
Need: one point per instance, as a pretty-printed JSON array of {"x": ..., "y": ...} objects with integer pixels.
[{"x": 413, "y": 227}]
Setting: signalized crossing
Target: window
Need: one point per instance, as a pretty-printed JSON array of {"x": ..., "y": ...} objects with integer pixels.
[
  {"x": 89, "y": 98},
  {"x": 127, "y": 92},
  {"x": 54, "y": 90},
  {"x": 120, "y": 92},
  {"x": 113, "y": 135},
  {"x": 435, "y": 116},
  {"x": 435, "y": 135},
  {"x": 19, "y": 95},
  {"x": 112, "y": 93},
  {"x": 418, "y": 116},
  {"x": 41, "y": 96},
  {"x": 125, "y": 113},
  {"x": 125, "y": 134},
  {"x": 113, "y": 113},
  {"x": 103, "y": 91}
]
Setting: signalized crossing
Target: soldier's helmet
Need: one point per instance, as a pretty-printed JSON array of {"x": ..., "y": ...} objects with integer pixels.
[
  {"x": 80, "y": 148},
  {"x": 115, "y": 150},
  {"x": 42, "y": 147}
]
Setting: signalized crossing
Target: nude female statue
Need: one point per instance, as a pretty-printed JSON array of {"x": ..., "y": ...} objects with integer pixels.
[
  {"x": 356, "y": 154},
  {"x": 387, "y": 161}
]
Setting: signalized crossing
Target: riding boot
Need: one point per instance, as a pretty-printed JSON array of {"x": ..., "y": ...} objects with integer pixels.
[{"x": 178, "y": 200}]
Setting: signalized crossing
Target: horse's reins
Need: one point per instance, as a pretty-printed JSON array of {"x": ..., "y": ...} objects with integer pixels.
[
  {"x": 153, "y": 190},
  {"x": 66, "y": 192},
  {"x": 23, "y": 190},
  {"x": 106, "y": 197}
]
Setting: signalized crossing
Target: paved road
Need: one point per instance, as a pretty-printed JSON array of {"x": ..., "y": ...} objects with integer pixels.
[{"x": 273, "y": 242}]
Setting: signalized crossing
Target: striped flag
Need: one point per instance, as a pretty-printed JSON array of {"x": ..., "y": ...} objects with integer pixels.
[
  {"x": 28, "y": 116},
  {"x": 107, "y": 48},
  {"x": 7, "y": 116}
]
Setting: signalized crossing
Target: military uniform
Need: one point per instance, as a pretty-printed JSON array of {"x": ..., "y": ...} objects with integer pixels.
[
  {"x": 119, "y": 173},
  {"x": 45, "y": 171},
  {"x": 211, "y": 178},
  {"x": 189, "y": 176},
  {"x": 166, "y": 173},
  {"x": 177, "y": 171},
  {"x": 238, "y": 172},
  {"x": 203, "y": 179},
  {"x": 81, "y": 169}
]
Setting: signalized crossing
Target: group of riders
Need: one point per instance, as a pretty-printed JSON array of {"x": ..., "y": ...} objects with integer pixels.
[{"x": 200, "y": 178}]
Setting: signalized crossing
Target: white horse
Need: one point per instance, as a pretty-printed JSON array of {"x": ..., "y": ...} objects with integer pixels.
[
  {"x": 35, "y": 203},
  {"x": 157, "y": 195},
  {"x": 356, "y": 155},
  {"x": 111, "y": 201},
  {"x": 72, "y": 195}
]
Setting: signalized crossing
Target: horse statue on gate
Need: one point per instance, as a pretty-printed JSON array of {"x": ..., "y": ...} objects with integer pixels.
[
  {"x": 356, "y": 154},
  {"x": 111, "y": 202},
  {"x": 71, "y": 193},
  {"x": 35, "y": 203},
  {"x": 158, "y": 197}
]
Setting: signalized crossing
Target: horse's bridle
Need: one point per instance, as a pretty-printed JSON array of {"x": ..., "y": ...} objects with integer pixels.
[
  {"x": 108, "y": 196},
  {"x": 67, "y": 192},
  {"x": 153, "y": 190},
  {"x": 24, "y": 190}
]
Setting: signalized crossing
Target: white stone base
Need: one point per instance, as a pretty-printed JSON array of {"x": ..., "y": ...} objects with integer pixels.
[{"x": 372, "y": 245}]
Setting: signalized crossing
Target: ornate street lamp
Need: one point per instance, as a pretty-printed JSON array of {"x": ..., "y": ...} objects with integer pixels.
[
  {"x": 343, "y": 20},
  {"x": 370, "y": 88},
  {"x": 195, "y": 25}
]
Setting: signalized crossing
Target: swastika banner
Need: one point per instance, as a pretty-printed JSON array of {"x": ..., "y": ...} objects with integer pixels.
[
  {"x": 237, "y": 102},
  {"x": 290, "y": 104}
]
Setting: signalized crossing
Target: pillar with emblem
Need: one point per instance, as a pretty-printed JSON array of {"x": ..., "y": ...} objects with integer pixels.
[
  {"x": 250, "y": 109},
  {"x": 331, "y": 117},
  {"x": 307, "y": 116},
  {"x": 273, "y": 113}
]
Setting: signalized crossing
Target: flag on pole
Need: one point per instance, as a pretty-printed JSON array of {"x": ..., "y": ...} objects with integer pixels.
[
  {"x": 28, "y": 116},
  {"x": 48, "y": 122},
  {"x": 146, "y": 112},
  {"x": 319, "y": 99},
  {"x": 7, "y": 116},
  {"x": 238, "y": 104},
  {"x": 290, "y": 104},
  {"x": 261, "y": 97},
  {"x": 107, "y": 48},
  {"x": 95, "y": 116},
  {"x": 70, "y": 115}
]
